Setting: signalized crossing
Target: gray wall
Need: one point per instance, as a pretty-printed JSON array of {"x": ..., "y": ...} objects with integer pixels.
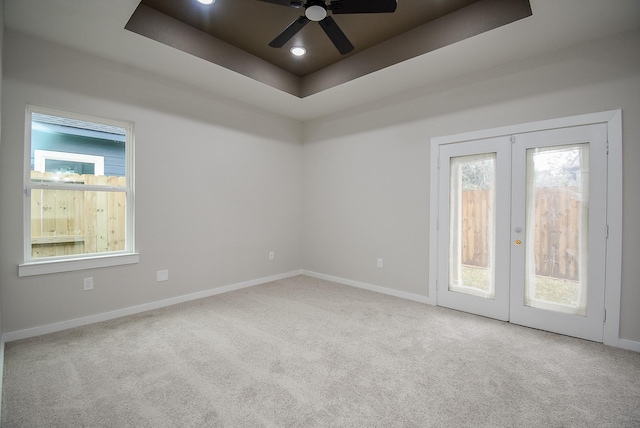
[
  {"x": 218, "y": 185},
  {"x": 330, "y": 195},
  {"x": 366, "y": 184}
]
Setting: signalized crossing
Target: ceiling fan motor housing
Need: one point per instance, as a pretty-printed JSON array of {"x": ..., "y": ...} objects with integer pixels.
[{"x": 316, "y": 10}]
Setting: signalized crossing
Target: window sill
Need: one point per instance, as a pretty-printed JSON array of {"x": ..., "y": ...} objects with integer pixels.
[{"x": 69, "y": 265}]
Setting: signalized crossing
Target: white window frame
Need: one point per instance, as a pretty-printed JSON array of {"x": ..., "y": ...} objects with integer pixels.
[
  {"x": 40, "y": 158},
  {"x": 40, "y": 266}
]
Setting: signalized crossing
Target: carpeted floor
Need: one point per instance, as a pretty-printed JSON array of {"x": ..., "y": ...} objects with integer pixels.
[{"x": 303, "y": 352}]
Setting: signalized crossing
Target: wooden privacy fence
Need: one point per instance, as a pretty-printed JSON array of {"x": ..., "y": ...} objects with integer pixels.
[
  {"x": 67, "y": 222},
  {"x": 557, "y": 240}
]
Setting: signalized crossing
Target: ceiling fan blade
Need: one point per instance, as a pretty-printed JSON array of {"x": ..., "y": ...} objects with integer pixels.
[
  {"x": 289, "y": 32},
  {"x": 288, "y": 3},
  {"x": 336, "y": 35},
  {"x": 362, "y": 6}
]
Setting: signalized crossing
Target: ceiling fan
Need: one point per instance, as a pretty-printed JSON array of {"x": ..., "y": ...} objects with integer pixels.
[{"x": 317, "y": 10}]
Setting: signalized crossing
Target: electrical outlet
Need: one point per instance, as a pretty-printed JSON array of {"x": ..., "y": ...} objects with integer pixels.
[
  {"x": 272, "y": 255},
  {"x": 162, "y": 275},
  {"x": 379, "y": 264},
  {"x": 88, "y": 284}
]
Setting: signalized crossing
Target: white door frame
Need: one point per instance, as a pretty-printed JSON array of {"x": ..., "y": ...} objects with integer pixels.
[{"x": 613, "y": 120}]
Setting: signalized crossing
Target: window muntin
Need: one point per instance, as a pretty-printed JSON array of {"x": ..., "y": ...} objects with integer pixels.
[{"x": 79, "y": 196}]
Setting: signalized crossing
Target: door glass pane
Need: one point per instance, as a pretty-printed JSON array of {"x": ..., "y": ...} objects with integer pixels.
[
  {"x": 557, "y": 219},
  {"x": 472, "y": 225}
]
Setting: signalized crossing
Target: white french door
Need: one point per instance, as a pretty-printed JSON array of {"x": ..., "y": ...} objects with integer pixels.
[
  {"x": 522, "y": 229},
  {"x": 473, "y": 247}
]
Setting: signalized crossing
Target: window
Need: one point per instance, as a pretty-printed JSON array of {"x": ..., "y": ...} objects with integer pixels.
[{"x": 78, "y": 192}]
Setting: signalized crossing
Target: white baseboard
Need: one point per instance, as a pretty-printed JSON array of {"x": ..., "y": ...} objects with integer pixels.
[
  {"x": 78, "y": 322},
  {"x": 630, "y": 345},
  {"x": 1, "y": 369},
  {"x": 619, "y": 343},
  {"x": 105, "y": 316},
  {"x": 370, "y": 287}
]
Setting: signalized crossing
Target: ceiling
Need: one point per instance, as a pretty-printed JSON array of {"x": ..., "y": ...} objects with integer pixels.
[
  {"x": 384, "y": 39},
  {"x": 250, "y": 25},
  {"x": 98, "y": 27}
]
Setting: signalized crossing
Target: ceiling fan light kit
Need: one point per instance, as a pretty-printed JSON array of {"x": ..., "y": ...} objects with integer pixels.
[{"x": 317, "y": 11}]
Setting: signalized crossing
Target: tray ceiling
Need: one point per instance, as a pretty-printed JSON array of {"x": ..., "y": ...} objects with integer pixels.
[{"x": 236, "y": 34}]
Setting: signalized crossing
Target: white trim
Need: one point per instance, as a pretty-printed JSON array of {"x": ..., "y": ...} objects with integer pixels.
[
  {"x": 75, "y": 186},
  {"x": 370, "y": 287},
  {"x": 40, "y": 157},
  {"x": 26, "y": 199},
  {"x": 496, "y": 307},
  {"x": 613, "y": 273},
  {"x": 613, "y": 119},
  {"x": 105, "y": 316},
  {"x": 80, "y": 263},
  {"x": 44, "y": 265},
  {"x": 2, "y": 340},
  {"x": 434, "y": 197},
  {"x": 630, "y": 345},
  {"x": 543, "y": 125},
  {"x": 78, "y": 322}
]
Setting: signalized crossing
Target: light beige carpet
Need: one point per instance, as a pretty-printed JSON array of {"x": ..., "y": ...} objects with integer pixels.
[{"x": 303, "y": 352}]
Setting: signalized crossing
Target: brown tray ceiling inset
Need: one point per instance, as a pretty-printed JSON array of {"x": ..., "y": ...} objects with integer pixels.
[{"x": 236, "y": 34}]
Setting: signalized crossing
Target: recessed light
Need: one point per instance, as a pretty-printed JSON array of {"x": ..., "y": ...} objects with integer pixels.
[
  {"x": 207, "y": 1},
  {"x": 298, "y": 51}
]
